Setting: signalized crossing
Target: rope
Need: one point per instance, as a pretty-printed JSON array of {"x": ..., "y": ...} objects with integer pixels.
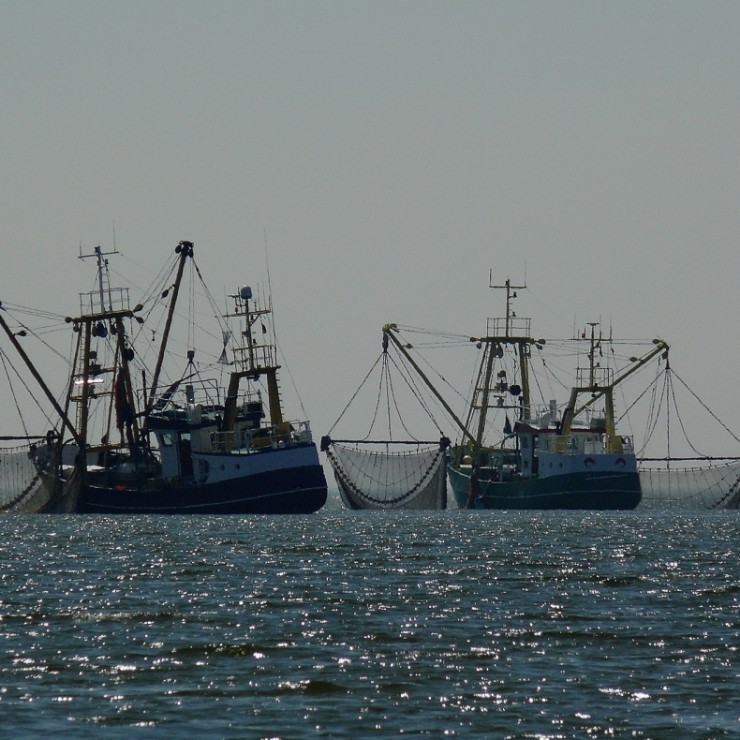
[
  {"x": 634, "y": 403},
  {"x": 678, "y": 415},
  {"x": 369, "y": 373},
  {"x": 408, "y": 379},
  {"x": 25, "y": 385},
  {"x": 12, "y": 391},
  {"x": 706, "y": 408},
  {"x": 388, "y": 389},
  {"x": 654, "y": 421}
]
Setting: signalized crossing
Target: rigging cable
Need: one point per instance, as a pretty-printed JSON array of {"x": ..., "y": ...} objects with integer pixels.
[
  {"x": 355, "y": 393},
  {"x": 12, "y": 392},
  {"x": 654, "y": 419},
  {"x": 274, "y": 330},
  {"x": 706, "y": 408},
  {"x": 3, "y": 358},
  {"x": 389, "y": 384},
  {"x": 652, "y": 387},
  {"x": 377, "y": 400},
  {"x": 408, "y": 379},
  {"x": 385, "y": 376}
]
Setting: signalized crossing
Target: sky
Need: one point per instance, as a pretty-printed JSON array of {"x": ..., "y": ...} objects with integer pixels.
[{"x": 382, "y": 158}]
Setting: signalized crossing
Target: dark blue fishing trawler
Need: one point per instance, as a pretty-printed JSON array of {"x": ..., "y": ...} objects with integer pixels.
[{"x": 196, "y": 445}]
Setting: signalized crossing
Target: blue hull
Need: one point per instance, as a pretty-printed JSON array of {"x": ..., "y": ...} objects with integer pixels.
[{"x": 299, "y": 490}]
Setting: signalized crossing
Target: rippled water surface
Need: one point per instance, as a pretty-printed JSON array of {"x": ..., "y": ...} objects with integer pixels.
[{"x": 351, "y": 625}]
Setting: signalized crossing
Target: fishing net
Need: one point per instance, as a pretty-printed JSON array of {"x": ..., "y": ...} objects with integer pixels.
[
  {"x": 691, "y": 488},
  {"x": 373, "y": 479},
  {"x": 22, "y": 488}
]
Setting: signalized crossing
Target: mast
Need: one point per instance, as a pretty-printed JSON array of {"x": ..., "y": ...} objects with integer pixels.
[
  {"x": 516, "y": 334},
  {"x": 522, "y": 342},
  {"x": 98, "y": 321},
  {"x": 505, "y": 332},
  {"x": 524, "y": 371},
  {"x": 85, "y": 336},
  {"x": 253, "y": 360}
]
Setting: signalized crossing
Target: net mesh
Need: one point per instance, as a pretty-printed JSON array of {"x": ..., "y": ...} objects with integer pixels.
[
  {"x": 22, "y": 488},
  {"x": 691, "y": 488},
  {"x": 372, "y": 479}
]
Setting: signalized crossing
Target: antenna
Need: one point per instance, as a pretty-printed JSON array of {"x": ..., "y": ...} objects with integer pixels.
[
  {"x": 510, "y": 295},
  {"x": 99, "y": 255},
  {"x": 269, "y": 287}
]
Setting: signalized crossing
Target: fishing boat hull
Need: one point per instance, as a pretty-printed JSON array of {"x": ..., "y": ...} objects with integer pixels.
[
  {"x": 287, "y": 481},
  {"x": 594, "y": 490}
]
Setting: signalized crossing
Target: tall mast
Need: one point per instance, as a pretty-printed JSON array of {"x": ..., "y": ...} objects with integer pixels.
[
  {"x": 96, "y": 321},
  {"x": 253, "y": 360},
  {"x": 592, "y": 354},
  {"x": 511, "y": 336}
]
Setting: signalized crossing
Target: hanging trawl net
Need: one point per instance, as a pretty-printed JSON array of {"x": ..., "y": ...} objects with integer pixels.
[
  {"x": 374, "y": 479},
  {"x": 696, "y": 488},
  {"x": 22, "y": 487}
]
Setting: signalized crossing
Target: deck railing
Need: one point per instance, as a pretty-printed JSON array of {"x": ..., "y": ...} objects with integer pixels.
[{"x": 276, "y": 436}]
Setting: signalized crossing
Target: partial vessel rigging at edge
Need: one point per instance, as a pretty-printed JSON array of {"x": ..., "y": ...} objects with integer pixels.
[{"x": 550, "y": 457}]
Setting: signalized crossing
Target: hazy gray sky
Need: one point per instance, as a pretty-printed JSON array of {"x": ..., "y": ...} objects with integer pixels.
[{"x": 393, "y": 152}]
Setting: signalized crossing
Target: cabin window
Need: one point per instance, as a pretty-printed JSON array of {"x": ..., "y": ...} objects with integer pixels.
[{"x": 166, "y": 439}]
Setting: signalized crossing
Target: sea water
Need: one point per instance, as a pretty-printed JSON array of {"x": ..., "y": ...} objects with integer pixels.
[{"x": 353, "y": 625}]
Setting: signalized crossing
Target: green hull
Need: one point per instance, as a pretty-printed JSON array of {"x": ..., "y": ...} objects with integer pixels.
[{"x": 586, "y": 490}]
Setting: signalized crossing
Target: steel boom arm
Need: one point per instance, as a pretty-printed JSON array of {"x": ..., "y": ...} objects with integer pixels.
[
  {"x": 185, "y": 250},
  {"x": 388, "y": 331},
  {"x": 660, "y": 346},
  {"x": 65, "y": 419}
]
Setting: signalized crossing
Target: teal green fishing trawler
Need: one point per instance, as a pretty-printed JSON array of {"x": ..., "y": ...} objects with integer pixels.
[{"x": 546, "y": 457}]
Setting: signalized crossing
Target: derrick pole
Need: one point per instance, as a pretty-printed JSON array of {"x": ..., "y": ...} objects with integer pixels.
[
  {"x": 486, "y": 393},
  {"x": 63, "y": 416},
  {"x": 388, "y": 330},
  {"x": 185, "y": 250}
]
